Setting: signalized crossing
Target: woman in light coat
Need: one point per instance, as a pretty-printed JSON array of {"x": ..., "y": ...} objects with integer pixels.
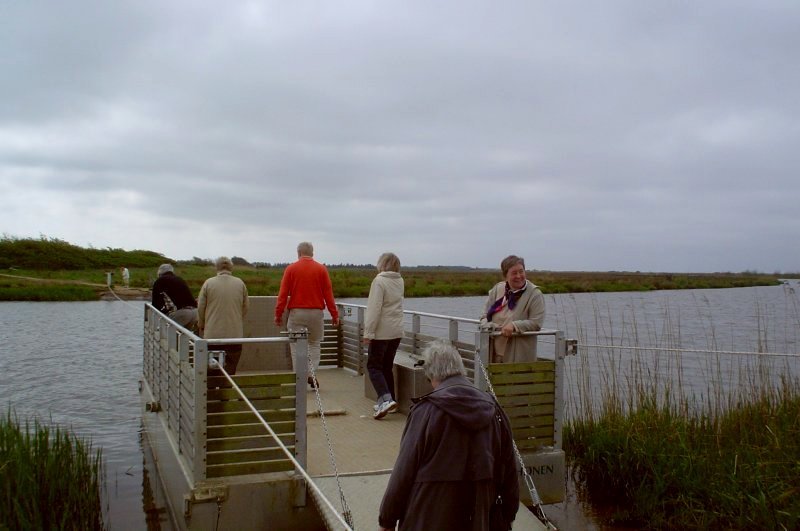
[
  {"x": 383, "y": 329},
  {"x": 514, "y": 306}
]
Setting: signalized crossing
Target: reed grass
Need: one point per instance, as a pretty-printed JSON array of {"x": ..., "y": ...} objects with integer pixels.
[
  {"x": 49, "y": 479},
  {"x": 649, "y": 451}
]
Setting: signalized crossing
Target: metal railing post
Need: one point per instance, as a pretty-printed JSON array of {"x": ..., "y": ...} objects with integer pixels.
[
  {"x": 200, "y": 410},
  {"x": 172, "y": 346},
  {"x": 416, "y": 327},
  {"x": 482, "y": 356},
  {"x": 183, "y": 358},
  {"x": 453, "y": 331},
  {"x": 158, "y": 378},
  {"x": 558, "y": 416},
  {"x": 340, "y": 336},
  {"x": 146, "y": 343},
  {"x": 360, "y": 348},
  {"x": 300, "y": 337}
]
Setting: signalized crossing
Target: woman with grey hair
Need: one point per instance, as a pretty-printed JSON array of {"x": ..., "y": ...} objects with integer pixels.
[
  {"x": 514, "y": 306},
  {"x": 383, "y": 329},
  {"x": 456, "y": 463}
]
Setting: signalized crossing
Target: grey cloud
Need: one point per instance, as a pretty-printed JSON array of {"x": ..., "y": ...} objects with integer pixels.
[{"x": 628, "y": 135}]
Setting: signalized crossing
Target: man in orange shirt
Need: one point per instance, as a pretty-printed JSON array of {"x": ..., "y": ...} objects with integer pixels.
[{"x": 307, "y": 287}]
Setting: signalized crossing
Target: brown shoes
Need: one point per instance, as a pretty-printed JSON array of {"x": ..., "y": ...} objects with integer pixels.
[{"x": 313, "y": 382}]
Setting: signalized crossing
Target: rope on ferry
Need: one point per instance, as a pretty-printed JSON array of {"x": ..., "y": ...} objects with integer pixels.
[
  {"x": 697, "y": 350},
  {"x": 120, "y": 299},
  {"x": 538, "y": 510}
]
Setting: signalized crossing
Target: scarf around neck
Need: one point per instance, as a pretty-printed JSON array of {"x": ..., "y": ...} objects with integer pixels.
[{"x": 510, "y": 297}]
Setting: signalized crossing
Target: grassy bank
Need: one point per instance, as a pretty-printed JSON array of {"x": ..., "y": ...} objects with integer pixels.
[
  {"x": 661, "y": 467},
  {"x": 649, "y": 451},
  {"x": 355, "y": 282},
  {"x": 12, "y": 289},
  {"x": 56, "y": 264},
  {"x": 49, "y": 479}
]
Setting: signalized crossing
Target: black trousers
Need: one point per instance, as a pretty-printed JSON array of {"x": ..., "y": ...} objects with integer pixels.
[{"x": 380, "y": 363}]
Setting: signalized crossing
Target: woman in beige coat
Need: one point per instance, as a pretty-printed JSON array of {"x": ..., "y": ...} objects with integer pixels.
[
  {"x": 383, "y": 329},
  {"x": 221, "y": 308},
  {"x": 514, "y": 306}
]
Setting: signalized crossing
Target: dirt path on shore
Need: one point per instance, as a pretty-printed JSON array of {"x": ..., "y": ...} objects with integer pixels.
[{"x": 103, "y": 290}]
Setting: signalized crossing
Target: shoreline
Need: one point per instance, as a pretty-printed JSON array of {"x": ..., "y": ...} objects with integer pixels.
[{"x": 86, "y": 285}]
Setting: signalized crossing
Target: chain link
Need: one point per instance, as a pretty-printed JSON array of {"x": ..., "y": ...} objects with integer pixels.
[{"x": 348, "y": 516}]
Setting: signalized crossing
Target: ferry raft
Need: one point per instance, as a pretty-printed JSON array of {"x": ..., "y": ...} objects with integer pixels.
[{"x": 262, "y": 450}]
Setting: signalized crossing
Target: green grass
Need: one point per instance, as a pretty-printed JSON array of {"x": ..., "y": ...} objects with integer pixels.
[
  {"x": 49, "y": 479},
  {"x": 660, "y": 467},
  {"x": 647, "y": 453},
  {"x": 54, "y": 259},
  {"x": 355, "y": 282}
]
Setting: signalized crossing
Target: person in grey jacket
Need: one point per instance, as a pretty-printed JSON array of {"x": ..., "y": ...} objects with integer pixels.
[
  {"x": 383, "y": 329},
  {"x": 514, "y": 306},
  {"x": 221, "y": 308},
  {"x": 456, "y": 463}
]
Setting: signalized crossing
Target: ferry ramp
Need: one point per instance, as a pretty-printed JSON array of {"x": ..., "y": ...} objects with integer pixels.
[{"x": 364, "y": 449}]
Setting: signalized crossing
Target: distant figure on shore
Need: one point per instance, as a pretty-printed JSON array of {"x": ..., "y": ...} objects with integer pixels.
[
  {"x": 172, "y": 297},
  {"x": 383, "y": 329},
  {"x": 456, "y": 468},
  {"x": 306, "y": 290},
  {"x": 126, "y": 276},
  {"x": 221, "y": 308},
  {"x": 515, "y": 305}
]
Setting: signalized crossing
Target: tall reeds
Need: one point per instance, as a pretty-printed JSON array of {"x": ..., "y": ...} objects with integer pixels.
[
  {"x": 49, "y": 478},
  {"x": 657, "y": 438}
]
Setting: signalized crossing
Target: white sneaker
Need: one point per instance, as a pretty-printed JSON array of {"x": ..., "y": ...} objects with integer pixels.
[
  {"x": 384, "y": 409},
  {"x": 375, "y": 408}
]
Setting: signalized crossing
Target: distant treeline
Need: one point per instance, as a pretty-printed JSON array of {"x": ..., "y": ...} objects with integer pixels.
[{"x": 54, "y": 254}]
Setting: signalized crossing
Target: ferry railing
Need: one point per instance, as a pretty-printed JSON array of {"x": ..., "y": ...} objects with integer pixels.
[
  {"x": 175, "y": 370},
  {"x": 419, "y": 329},
  {"x": 541, "y": 381}
]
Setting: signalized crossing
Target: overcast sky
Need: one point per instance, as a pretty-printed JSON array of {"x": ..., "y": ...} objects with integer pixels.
[{"x": 593, "y": 135}]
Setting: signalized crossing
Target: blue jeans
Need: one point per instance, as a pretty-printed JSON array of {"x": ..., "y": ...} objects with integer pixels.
[{"x": 379, "y": 365}]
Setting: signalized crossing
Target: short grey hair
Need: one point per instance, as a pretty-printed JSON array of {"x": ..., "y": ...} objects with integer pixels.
[
  {"x": 442, "y": 360},
  {"x": 165, "y": 268},
  {"x": 223, "y": 263},
  {"x": 305, "y": 249},
  {"x": 389, "y": 262},
  {"x": 509, "y": 262}
]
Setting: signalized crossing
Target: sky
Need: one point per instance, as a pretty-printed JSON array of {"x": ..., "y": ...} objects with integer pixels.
[{"x": 593, "y": 136}]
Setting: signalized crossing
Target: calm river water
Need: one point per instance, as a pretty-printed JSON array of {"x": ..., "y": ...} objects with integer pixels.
[{"x": 79, "y": 363}]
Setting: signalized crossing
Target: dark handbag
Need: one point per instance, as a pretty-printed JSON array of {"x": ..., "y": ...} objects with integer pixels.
[{"x": 497, "y": 514}]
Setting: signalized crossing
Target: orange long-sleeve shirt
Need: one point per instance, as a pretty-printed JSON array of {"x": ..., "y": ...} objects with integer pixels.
[{"x": 306, "y": 284}]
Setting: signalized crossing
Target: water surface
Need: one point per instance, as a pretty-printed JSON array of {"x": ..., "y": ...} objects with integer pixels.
[{"x": 79, "y": 363}]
